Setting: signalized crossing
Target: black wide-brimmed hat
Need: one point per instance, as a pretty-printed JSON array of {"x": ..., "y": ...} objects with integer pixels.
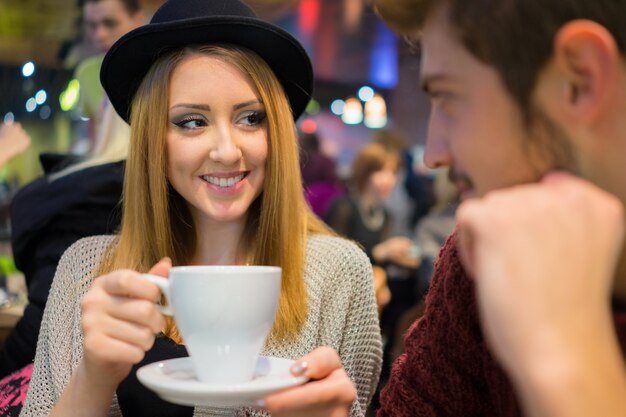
[{"x": 179, "y": 23}]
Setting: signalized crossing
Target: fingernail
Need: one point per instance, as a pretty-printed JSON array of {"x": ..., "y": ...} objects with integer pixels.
[
  {"x": 299, "y": 368},
  {"x": 260, "y": 403}
]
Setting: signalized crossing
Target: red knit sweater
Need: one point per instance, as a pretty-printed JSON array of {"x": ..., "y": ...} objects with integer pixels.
[{"x": 447, "y": 369}]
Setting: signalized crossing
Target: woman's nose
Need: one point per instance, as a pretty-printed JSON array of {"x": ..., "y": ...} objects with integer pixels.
[{"x": 226, "y": 149}]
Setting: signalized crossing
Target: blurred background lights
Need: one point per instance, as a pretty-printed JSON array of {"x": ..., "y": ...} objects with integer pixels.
[
  {"x": 41, "y": 97},
  {"x": 45, "y": 112},
  {"x": 308, "y": 126},
  {"x": 9, "y": 117},
  {"x": 313, "y": 107},
  {"x": 366, "y": 93},
  {"x": 69, "y": 97},
  {"x": 383, "y": 72},
  {"x": 376, "y": 112},
  {"x": 337, "y": 107},
  {"x": 31, "y": 105},
  {"x": 352, "y": 112},
  {"x": 28, "y": 69}
]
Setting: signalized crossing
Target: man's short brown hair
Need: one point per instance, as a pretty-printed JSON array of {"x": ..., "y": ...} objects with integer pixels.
[
  {"x": 131, "y": 6},
  {"x": 513, "y": 36}
]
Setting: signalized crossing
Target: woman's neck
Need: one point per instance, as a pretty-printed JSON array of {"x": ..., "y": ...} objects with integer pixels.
[{"x": 220, "y": 244}]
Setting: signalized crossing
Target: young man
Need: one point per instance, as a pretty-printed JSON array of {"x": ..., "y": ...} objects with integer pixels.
[
  {"x": 105, "y": 22},
  {"x": 528, "y": 103}
]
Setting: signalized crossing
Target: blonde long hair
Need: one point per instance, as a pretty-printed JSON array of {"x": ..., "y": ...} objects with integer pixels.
[
  {"x": 156, "y": 221},
  {"x": 113, "y": 136}
]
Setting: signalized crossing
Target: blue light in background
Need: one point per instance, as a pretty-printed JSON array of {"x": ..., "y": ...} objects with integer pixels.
[{"x": 384, "y": 58}]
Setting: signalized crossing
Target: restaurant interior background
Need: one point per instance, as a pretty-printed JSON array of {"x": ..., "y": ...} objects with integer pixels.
[{"x": 41, "y": 41}]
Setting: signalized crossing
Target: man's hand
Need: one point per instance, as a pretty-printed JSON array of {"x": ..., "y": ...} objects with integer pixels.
[{"x": 544, "y": 257}]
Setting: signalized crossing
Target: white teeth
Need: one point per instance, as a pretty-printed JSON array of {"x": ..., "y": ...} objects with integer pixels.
[{"x": 223, "y": 182}]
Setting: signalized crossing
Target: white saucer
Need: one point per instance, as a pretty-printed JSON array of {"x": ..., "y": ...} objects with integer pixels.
[{"x": 175, "y": 381}]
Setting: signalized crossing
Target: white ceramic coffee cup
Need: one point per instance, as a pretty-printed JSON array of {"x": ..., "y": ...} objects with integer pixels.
[{"x": 224, "y": 314}]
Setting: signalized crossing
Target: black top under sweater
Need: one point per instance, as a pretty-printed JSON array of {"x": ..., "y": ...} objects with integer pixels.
[{"x": 138, "y": 401}]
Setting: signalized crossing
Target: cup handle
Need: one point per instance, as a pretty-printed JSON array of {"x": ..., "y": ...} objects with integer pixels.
[{"x": 164, "y": 285}]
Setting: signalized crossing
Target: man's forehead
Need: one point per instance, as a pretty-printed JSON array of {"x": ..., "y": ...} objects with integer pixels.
[
  {"x": 443, "y": 56},
  {"x": 439, "y": 64},
  {"x": 106, "y": 8}
]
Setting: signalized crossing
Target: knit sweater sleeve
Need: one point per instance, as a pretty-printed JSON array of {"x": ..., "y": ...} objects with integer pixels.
[
  {"x": 446, "y": 369},
  {"x": 343, "y": 312},
  {"x": 361, "y": 346},
  {"x": 60, "y": 344}
]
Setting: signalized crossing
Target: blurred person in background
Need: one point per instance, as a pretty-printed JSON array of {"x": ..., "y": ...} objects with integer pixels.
[
  {"x": 105, "y": 21},
  {"x": 78, "y": 196},
  {"x": 13, "y": 142},
  {"x": 50, "y": 214},
  {"x": 319, "y": 174},
  {"x": 433, "y": 229},
  {"x": 413, "y": 196},
  {"x": 361, "y": 215},
  {"x": 431, "y": 233}
]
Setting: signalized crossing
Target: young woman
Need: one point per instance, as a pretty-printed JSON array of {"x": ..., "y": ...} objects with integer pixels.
[
  {"x": 361, "y": 215},
  {"x": 212, "y": 176}
]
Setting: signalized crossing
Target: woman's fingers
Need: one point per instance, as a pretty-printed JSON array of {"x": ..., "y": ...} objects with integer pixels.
[
  {"x": 317, "y": 364},
  {"x": 129, "y": 284},
  {"x": 120, "y": 320},
  {"x": 162, "y": 267},
  {"x": 331, "y": 392},
  {"x": 140, "y": 335}
]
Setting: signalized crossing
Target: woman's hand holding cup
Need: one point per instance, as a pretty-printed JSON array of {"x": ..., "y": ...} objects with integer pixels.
[{"x": 120, "y": 320}]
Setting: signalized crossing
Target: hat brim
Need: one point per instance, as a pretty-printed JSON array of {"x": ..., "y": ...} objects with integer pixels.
[{"x": 130, "y": 58}]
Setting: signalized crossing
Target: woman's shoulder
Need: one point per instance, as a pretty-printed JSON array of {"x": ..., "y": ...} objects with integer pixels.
[
  {"x": 88, "y": 252},
  {"x": 329, "y": 242},
  {"x": 335, "y": 250},
  {"x": 96, "y": 243}
]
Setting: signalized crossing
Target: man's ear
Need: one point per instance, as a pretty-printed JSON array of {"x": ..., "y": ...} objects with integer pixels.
[{"x": 588, "y": 61}]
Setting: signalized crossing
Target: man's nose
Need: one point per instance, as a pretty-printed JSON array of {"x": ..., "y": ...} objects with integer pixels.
[{"x": 437, "y": 151}]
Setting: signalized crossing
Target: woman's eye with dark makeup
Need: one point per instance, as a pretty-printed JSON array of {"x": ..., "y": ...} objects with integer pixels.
[
  {"x": 190, "y": 122},
  {"x": 252, "y": 118}
]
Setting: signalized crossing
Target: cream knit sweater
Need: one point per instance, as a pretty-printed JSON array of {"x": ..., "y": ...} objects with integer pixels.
[{"x": 342, "y": 315}]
